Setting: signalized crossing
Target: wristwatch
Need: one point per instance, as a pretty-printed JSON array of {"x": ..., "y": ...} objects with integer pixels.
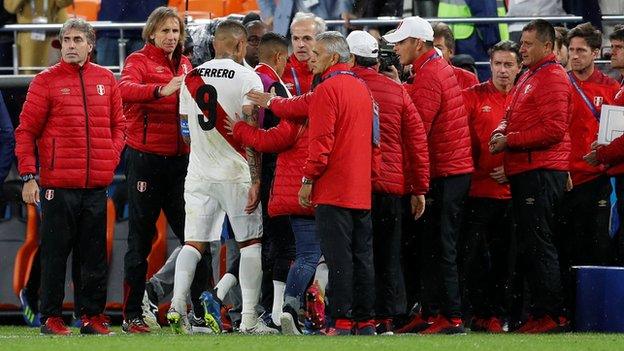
[
  {"x": 27, "y": 177},
  {"x": 306, "y": 181}
]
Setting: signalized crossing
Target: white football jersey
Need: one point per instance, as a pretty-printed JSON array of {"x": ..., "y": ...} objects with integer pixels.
[{"x": 210, "y": 93}]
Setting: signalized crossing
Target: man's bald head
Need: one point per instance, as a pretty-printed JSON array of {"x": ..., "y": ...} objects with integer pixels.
[{"x": 229, "y": 36}]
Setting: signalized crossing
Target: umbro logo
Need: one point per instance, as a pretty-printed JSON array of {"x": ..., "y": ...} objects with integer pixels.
[
  {"x": 65, "y": 91},
  {"x": 160, "y": 69},
  {"x": 527, "y": 88},
  {"x": 486, "y": 108},
  {"x": 529, "y": 201}
]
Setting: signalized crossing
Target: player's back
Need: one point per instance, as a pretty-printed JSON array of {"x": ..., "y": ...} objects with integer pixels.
[{"x": 210, "y": 93}]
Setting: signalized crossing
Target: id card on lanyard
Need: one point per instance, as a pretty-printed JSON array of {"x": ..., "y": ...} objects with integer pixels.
[
  {"x": 376, "y": 130},
  {"x": 39, "y": 18}
]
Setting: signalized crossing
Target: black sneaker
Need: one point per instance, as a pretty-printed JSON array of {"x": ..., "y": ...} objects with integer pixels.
[
  {"x": 135, "y": 326},
  {"x": 290, "y": 321},
  {"x": 198, "y": 324}
]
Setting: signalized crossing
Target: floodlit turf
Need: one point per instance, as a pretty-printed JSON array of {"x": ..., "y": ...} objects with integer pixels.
[{"x": 22, "y": 338}]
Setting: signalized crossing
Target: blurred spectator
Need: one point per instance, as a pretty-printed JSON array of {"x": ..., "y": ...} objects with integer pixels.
[
  {"x": 471, "y": 39},
  {"x": 107, "y": 45},
  {"x": 34, "y": 46},
  {"x": 6, "y": 39},
  {"x": 255, "y": 30},
  {"x": 250, "y": 17},
  {"x": 444, "y": 41},
  {"x": 561, "y": 45},
  {"x": 531, "y": 8},
  {"x": 281, "y": 16},
  {"x": 425, "y": 8},
  {"x": 7, "y": 140},
  {"x": 376, "y": 8},
  {"x": 610, "y": 7},
  {"x": 588, "y": 9}
]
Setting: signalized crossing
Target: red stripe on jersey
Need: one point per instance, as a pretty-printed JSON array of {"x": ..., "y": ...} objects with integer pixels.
[{"x": 210, "y": 108}]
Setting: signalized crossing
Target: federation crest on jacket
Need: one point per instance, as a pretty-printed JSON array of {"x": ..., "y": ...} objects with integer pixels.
[{"x": 100, "y": 89}]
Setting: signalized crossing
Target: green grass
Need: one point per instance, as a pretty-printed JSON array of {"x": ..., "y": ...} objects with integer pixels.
[{"x": 22, "y": 338}]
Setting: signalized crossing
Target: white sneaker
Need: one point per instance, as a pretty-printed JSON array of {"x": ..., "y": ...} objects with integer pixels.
[
  {"x": 259, "y": 329},
  {"x": 148, "y": 312},
  {"x": 179, "y": 323}
]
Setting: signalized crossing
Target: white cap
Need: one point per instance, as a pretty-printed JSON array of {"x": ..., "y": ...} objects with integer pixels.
[
  {"x": 363, "y": 44},
  {"x": 411, "y": 27}
]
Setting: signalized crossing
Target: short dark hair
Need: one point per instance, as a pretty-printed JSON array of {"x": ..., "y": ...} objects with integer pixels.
[
  {"x": 506, "y": 45},
  {"x": 561, "y": 36},
  {"x": 441, "y": 29},
  {"x": 365, "y": 61},
  {"x": 618, "y": 33},
  {"x": 592, "y": 36},
  {"x": 545, "y": 30},
  {"x": 233, "y": 27},
  {"x": 271, "y": 42}
]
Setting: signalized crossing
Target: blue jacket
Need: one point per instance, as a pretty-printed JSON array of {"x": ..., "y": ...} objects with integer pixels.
[
  {"x": 283, "y": 14},
  {"x": 126, "y": 11},
  {"x": 7, "y": 141}
]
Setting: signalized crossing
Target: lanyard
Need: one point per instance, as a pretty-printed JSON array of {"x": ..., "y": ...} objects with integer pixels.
[
  {"x": 521, "y": 85},
  {"x": 591, "y": 106},
  {"x": 376, "y": 130},
  {"x": 296, "y": 79},
  {"x": 434, "y": 56}
]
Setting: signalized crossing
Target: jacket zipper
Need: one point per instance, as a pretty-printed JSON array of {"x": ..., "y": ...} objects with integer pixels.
[
  {"x": 529, "y": 156},
  {"x": 53, "y": 153},
  {"x": 144, "y": 128},
  {"x": 84, "y": 101}
]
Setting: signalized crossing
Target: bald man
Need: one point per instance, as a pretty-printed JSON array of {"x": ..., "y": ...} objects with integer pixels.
[
  {"x": 255, "y": 31},
  {"x": 222, "y": 178}
]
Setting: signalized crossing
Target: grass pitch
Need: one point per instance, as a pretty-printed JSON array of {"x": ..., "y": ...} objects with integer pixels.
[{"x": 22, "y": 338}]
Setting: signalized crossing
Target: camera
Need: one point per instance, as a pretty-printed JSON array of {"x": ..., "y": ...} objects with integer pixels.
[{"x": 387, "y": 59}]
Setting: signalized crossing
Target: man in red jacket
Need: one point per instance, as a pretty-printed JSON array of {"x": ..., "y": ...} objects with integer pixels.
[
  {"x": 488, "y": 225},
  {"x": 405, "y": 169},
  {"x": 612, "y": 155},
  {"x": 157, "y": 156},
  {"x": 444, "y": 40},
  {"x": 303, "y": 31},
  {"x": 534, "y": 136},
  {"x": 73, "y": 117},
  {"x": 438, "y": 98},
  {"x": 586, "y": 211}
]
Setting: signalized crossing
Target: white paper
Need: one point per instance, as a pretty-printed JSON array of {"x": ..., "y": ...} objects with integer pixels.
[
  {"x": 611, "y": 124},
  {"x": 39, "y": 35}
]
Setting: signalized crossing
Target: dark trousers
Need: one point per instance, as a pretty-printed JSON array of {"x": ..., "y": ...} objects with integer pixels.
[
  {"x": 154, "y": 182},
  {"x": 485, "y": 261},
  {"x": 536, "y": 198},
  {"x": 278, "y": 252},
  {"x": 440, "y": 226},
  {"x": 347, "y": 244},
  {"x": 618, "y": 239},
  {"x": 73, "y": 220},
  {"x": 389, "y": 287},
  {"x": 583, "y": 231}
]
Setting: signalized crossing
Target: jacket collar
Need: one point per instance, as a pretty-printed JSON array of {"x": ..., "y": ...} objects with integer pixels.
[
  {"x": 299, "y": 65},
  {"x": 595, "y": 77},
  {"x": 157, "y": 54},
  {"x": 336, "y": 67},
  {"x": 549, "y": 57},
  {"x": 493, "y": 90},
  {"x": 362, "y": 71},
  {"x": 268, "y": 70},
  {"x": 419, "y": 62}
]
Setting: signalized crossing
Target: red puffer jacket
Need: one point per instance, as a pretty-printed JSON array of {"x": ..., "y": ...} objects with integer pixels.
[
  {"x": 485, "y": 106},
  {"x": 465, "y": 78},
  {"x": 404, "y": 154},
  {"x": 613, "y": 154},
  {"x": 290, "y": 140},
  {"x": 600, "y": 89},
  {"x": 438, "y": 99},
  {"x": 538, "y": 119},
  {"x": 153, "y": 123},
  {"x": 74, "y": 116},
  {"x": 297, "y": 74}
]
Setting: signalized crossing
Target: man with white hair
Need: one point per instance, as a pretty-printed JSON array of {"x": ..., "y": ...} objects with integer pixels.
[
  {"x": 298, "y": 73},
  {"x": 438, "y": 98}
]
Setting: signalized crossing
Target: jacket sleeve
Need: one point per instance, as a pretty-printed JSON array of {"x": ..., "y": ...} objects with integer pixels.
[
  {"x": 131, "y": 84},
  {"x": 322, "y": 123},
  {"x": 553, "y": 110},
  {"x": 13, "y": 6},
  {"x": 32, "y": 121},
  {"x": 470, "y": 99},
  {"x": 118, "y": 121},
  {"x": 274, "y": 140},
  {"x": 426, "y": 93},
  {"x": 612, "y": 153},
  {"x": 415, "y": 139},
  {"x": 292, "y": 108}
]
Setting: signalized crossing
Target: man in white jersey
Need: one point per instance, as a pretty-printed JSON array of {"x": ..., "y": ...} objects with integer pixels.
[{"x": 223, "y": 178}]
